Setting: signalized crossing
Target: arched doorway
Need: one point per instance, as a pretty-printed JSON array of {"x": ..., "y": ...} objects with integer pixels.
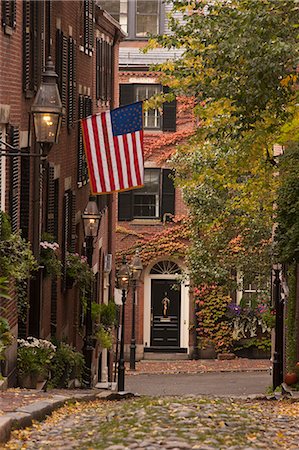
[{"x": 166, "y": 309}]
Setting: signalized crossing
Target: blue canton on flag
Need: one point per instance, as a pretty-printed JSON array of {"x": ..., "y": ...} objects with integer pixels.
[{"x": 127, "y": 119}]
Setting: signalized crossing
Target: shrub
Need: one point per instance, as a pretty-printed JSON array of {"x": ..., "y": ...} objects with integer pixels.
[{"x": 66, "y": 365}]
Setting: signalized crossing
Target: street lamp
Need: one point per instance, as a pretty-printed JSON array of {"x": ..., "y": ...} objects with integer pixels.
[
  {"x": 136, "y": 269},
  {"x": 91, "y": 218},
  {"x": 123, "y": 278},
  {"x": 47, "y": 114},
  {"x": 278, "y": 350},
  {"x": 47, "y": 108}
]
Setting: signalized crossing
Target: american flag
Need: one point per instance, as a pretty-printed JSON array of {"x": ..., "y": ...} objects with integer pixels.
[{"x": 113, "y": 142}]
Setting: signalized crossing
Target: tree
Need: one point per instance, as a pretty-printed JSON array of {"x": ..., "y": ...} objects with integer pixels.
[{"x": 239, "y": 63}]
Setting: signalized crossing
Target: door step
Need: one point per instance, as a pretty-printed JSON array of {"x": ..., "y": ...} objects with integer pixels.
[{"x": 164, "y": 356}]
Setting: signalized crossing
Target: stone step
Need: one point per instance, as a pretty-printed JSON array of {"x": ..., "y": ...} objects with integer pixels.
[{"x": 164, "y": 356}]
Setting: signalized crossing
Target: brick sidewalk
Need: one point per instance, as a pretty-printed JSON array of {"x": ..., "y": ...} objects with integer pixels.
[
  {"x": 200, "y": 366},
  {"x": 12, "y": 399}
]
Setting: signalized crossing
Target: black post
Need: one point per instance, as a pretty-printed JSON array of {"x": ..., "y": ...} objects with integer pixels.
[
  {"x": 88, "y": 340},
  {"x": 36, "y": 283},
  {"x": 278, "y": 350},
  {"x": 121, "y": 363},
  {"x": 133, "y": 335}
]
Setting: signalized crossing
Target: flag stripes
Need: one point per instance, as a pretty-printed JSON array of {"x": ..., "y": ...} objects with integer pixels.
[{"x": 115, "y": 161}]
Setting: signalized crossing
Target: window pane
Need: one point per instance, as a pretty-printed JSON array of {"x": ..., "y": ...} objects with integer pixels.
[
  {"x": 118, "y": 9},
  {"x": 112, "y": 7},
  {"x": 146, "y": 200},
  {"x": 147, "y": 17},
  {"x": 152, "y": 118},
  {"x": 147, "y": 7}
]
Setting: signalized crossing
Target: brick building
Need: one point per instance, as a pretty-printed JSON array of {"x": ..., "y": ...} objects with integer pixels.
[
  {"x": 83, "y": 41},
  {"x": 151, "y": 218}
]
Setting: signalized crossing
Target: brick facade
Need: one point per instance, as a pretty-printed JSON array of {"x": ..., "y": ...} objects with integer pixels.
[{"x": 55, "y": 311}]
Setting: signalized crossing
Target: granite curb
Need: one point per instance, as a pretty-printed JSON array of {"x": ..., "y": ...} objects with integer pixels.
[
  {"x": 253, "y": 369},
  {"x": 23, "y": 416}
]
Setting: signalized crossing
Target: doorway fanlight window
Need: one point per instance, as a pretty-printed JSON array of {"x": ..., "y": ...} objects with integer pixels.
[{"x": 165, "y": 268}]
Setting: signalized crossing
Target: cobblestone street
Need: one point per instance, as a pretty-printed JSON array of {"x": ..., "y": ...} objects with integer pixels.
[{"x": 166, "y": 423}]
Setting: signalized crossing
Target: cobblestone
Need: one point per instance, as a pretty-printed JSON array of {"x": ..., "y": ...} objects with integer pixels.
[{"x": 168, "y": 423}]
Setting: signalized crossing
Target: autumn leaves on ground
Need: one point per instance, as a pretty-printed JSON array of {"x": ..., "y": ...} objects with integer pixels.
[{"x": 168, "y": 423}]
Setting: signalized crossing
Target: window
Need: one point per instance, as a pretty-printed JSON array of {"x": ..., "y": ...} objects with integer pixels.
[
  {"x": 104, "y": 80},
  {"x": 137, "y": 18},
  {"x": 154, "y": 201},
  {"x": 118, "y": 9},
  {"x": 130, "y": 93},
  {"x": 152, "y": 117},
  {"x": 252, "y": 289},
  {"x": 146, "y": 200},
  {"x": 147, "y": 17}
]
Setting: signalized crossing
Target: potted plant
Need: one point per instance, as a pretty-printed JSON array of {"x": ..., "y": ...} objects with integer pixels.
[
  {"x": 49, "y": 255},
  {"x": 33, "y": 361}
]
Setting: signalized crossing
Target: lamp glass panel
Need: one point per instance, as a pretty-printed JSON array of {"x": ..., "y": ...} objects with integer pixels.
[
  {"x": 91, "y": 226},
  {"x": 46, "y": 126}
]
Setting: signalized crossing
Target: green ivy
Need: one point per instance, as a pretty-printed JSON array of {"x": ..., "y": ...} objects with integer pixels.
[
  {"x": 287, "y": 233},
  {"x": 17, "y": 262},
  {"x": 262, "y": 343},
  {"x": 291, "y": 345}
]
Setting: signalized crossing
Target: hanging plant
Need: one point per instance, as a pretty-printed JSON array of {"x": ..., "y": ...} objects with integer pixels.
[
  {"x": 49, "y": 257},
  {"x": 78, "y": 272}
]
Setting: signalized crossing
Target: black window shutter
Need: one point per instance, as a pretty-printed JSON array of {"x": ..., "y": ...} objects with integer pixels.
[
  {"x": 9, "y": 13},
  {"x": 169, "y": 113},
  {"x": 14, "y": 181},
  {"x": 125, "y": 205},
  {"x": 58, "y": 62},
  {"x": 80, "y": 139},
  {"x": 98, "y": 68},
  {"x": 126, "y": 94},
  {"x": 168, "y": 193},
  {"x": 71, "y": 84},
  {"x": 50, "y": 201},
  {"x": 25, "y": 196},
  {"x": 66, "y": 234},
  {"x": 72, "y": 242},
  {"x": 56, "y": 208}
]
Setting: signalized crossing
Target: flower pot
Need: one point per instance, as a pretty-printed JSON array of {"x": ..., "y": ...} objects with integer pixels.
[
  {"x": 290, "y": 378},
  {"x": 32, "y": 380}
]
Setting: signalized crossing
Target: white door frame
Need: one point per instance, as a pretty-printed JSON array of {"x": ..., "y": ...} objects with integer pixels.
[{"x": 184, "y": 309}]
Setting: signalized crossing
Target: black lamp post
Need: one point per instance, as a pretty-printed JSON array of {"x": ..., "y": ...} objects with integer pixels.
[
  {"x": 136, "y": 269},
  {"x": 278, "y": 350},
  {"x": 123, "y": 277},
  {"x": 47, "y": 114},
  {"x": 91, "y": 222}
]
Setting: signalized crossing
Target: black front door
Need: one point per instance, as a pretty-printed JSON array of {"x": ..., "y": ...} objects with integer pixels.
[{"x": 165, "y": 313}]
